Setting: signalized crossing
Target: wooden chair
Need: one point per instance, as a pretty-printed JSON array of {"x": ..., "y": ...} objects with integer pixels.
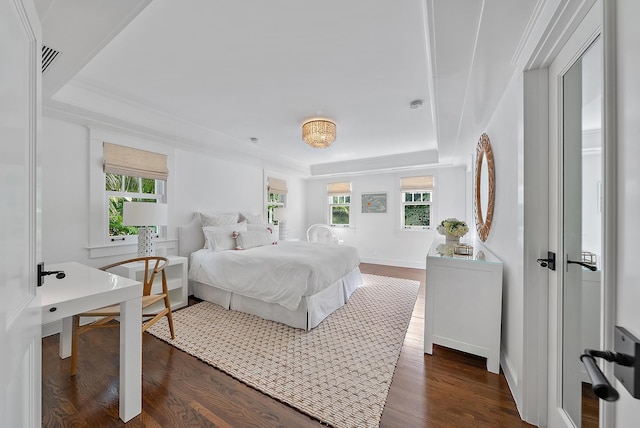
[{"x": 153, "y": 265}]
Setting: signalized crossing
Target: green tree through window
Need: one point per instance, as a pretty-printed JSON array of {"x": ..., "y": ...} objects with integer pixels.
[
  {"x": 416, "y": 209},
  {"x": 123, "y": 188},
  {"x": 339, "y": 206}
]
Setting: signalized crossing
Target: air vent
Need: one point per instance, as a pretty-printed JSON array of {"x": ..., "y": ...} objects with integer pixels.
[{"x": 48, "y": 55}]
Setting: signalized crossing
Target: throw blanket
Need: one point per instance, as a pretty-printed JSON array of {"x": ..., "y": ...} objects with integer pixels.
[{"x": 280, "y": 273}]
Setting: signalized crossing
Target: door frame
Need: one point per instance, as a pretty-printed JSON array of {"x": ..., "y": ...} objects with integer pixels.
[
  {"x": 564, "y": 17},
  {"x": 588, "y": 30},
  {"x": 609, "y": 226}
]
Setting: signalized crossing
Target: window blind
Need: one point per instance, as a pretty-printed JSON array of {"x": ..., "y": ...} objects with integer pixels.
[
  {"x": 342, "y": 188},
  {"x": 275, "y": 185},
  {"x": 123, "y": 160},
  {"x": 423, "y": 182}
]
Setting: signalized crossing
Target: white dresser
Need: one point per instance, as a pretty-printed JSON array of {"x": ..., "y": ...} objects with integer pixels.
[{"x": 463, "y": 302}]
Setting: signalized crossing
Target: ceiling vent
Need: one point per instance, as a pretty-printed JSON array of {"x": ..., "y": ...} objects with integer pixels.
[{"x": 48, "y": 55}]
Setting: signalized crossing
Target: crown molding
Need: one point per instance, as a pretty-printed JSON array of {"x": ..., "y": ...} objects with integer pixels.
[
  {"x": 166, "y": 129},
  {"x": 383, "y": 163}
]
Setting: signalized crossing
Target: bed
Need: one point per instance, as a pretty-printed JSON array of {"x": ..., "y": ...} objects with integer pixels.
[{"x": 297, "y": 283}]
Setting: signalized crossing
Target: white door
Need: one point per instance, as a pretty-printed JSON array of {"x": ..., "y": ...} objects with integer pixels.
[
  {"x": 575, "y": 98},
  {"x": 20, "y": 329}
]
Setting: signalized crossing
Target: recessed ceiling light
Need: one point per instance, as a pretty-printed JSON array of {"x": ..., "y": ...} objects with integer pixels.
[{"x": 415, "y": 104}]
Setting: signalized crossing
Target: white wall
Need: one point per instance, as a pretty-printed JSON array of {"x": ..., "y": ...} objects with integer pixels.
[
  {"x": 505, "y": 130},
  {"x": 205, "y": 182},
  {"x": 64, "y": 150},
  {"x": 198, "y": 182},
  {"x": 378, "y": 237}
]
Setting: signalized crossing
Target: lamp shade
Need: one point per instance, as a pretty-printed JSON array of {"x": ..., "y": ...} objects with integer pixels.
[
  {"x": 144, "y": 214},
  {"x": 280, "y": 214}
]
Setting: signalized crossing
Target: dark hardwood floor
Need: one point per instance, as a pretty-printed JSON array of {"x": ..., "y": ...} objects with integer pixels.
[
  {"x": 590, "y": 407},
  {"x": 446, "y": 389}
]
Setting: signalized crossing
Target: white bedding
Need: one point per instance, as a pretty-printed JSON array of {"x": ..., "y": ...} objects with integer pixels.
[{"x": 281, "y": 274}]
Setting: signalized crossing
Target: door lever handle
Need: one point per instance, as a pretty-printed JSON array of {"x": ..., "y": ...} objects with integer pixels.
[
  {"x": 549, "y": 262},
  {"x": 583, "y": 264},
  {"x": 626, "y": 369},
  {"x": 600, "y": 384},
  {"x": 42, "y": 273}
]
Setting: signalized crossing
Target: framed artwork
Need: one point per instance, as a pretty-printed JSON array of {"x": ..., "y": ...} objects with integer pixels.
[{"x": 374, "y": 202}]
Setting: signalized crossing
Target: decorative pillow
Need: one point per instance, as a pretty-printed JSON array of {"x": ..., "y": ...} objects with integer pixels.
[
  {"x": 218, "y": 219},
  {"x": 220, "y": 238},
  {"x": 252, "y": 218},
  {"x": 264, "y": 226},
  {"x": 255, "y": 238}
]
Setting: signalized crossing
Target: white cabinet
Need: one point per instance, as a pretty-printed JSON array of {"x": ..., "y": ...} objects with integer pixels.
[
  {"x": 463, "y": 302},
  {"x": 176, "y": 280}
]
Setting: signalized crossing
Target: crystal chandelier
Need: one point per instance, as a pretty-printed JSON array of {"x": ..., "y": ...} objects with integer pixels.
[{"x": 319, "y": 133}]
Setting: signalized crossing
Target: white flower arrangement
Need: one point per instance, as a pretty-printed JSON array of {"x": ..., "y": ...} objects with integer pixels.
[
  {"x": 445, "y": 250},
  {"x": 452, "y": 226}
]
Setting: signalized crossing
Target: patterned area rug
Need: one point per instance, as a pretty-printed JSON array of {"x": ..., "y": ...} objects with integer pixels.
[{"x": 338, "y": 373}]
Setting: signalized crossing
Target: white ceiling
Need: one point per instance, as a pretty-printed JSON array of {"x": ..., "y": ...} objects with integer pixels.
[{"x": 256, "y": 68}]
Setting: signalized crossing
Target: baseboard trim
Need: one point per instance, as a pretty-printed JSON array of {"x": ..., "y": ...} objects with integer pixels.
[
  {"x": 512, "y": 381},
  {"x": 390, "y": 262}
]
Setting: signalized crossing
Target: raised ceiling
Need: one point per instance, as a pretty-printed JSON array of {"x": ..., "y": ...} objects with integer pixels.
[{"x": 236, "y": 70}]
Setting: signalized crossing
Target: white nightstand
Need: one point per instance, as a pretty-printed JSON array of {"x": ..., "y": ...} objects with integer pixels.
[{"x": 176, "y": 279}]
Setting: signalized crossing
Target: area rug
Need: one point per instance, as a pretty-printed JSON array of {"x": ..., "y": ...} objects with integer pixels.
[{"x": 338, "y": 373}]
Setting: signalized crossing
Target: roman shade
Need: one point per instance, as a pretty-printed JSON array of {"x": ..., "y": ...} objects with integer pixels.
[
  {"x": 341, "y": 188},
  {"x": 275, "y": 185},
  {"x": 423, "y": 182},
  {"x": 121, "y": 160}
]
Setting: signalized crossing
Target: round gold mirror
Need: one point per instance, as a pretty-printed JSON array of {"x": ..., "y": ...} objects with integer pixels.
[{"x": 485, "y": 187}]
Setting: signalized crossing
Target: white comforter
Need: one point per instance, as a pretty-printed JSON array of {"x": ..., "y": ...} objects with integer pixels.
[{"x": 280, "y": 273}]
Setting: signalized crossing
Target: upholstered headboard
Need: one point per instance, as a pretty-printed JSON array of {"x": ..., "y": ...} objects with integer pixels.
[{"x": 190, "y": 236}]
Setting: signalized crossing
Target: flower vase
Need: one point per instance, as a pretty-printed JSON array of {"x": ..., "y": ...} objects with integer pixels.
[{"x": 452, "y": 240}]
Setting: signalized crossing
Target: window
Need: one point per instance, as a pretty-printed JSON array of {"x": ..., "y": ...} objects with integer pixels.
[
  {"x": 339, "y": 195},
  {"x": 416, "y": 197},
  {"x": 123, "y": 188},
  {"x": 276, "y": 196},
  {"x": 276, "y": 200},
  {"x": 131, "y": 175},
  {"x": 339, "y": 208}
]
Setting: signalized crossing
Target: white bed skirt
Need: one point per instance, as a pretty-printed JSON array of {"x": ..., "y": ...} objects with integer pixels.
[{"x": 311, "y": 311}]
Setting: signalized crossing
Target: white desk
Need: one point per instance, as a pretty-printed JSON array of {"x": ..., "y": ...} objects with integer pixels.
[
  {"x": 463, "y": 302},
  {"x": 85, "y": 288}
]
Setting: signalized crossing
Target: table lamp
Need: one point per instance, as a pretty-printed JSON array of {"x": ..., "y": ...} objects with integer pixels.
[
  {"x": 281, "y": 215},
  {"x": 145, "y": 215}
]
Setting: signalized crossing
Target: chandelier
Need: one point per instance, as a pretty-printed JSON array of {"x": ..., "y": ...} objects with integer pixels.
[{"x": 319, "y": 133}]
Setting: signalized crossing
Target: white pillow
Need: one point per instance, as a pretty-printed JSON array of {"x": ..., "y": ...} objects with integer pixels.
[
  {"x": 218, "y": 219},
  {"x": 252, "y": 218},
  {"x": 221, "y": 238},
  {"x": 255, "y": 238},
  {"x": 264, "y": 226}
]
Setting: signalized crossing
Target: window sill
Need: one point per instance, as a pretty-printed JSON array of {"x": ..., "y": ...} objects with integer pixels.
[
  {"x": 403, "y": 229},
  {"x": 122, "y": 248}
]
